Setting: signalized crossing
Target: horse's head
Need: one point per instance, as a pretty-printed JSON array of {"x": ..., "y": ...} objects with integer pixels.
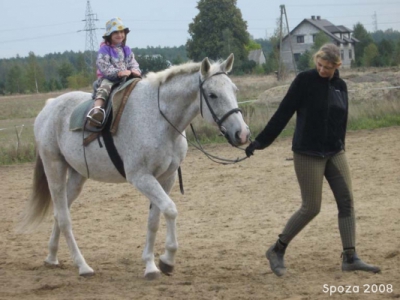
[{"x": 218, "y": 102}]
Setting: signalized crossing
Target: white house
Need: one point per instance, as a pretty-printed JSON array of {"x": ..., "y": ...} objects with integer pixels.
[
  {"x": 257, "y": 56},
  {"x": 303, "y": 35}
]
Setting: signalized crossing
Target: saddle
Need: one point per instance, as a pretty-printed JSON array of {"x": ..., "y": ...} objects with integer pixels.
[{"x": 113, "y": 111}]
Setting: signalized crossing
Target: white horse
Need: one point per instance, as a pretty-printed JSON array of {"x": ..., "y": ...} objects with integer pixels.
[{"x": 151, "y": 146}]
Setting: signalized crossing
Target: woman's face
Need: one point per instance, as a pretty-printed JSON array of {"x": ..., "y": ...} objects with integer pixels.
[
  {"x": 117, "y": 37},
  {"x": 325, "y": 68}
]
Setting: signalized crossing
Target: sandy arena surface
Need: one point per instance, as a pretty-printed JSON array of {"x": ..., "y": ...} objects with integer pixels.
[{"x": 227, "y": 219}]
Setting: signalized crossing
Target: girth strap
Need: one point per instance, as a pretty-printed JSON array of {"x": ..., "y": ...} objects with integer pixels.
[{"x": 112, "y": 150}]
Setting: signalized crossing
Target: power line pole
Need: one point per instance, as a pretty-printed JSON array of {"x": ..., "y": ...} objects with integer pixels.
[
  {"x": 290, "y": 41},
  {"x": 375, "y": 22},
  {"x": 283, "y": 12},
  {"x": 91, "y": 39},
  {"x": 280, "y": 44}
]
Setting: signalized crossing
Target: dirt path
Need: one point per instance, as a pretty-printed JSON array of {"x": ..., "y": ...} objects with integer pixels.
[{"x": 228, "y": 217}]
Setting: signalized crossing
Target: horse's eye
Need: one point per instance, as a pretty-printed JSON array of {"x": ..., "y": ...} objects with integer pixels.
[{"x": 212, "y": 96}]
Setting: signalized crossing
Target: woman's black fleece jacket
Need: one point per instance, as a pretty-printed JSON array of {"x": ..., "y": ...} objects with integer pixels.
[{"x": 321, "y": 107}]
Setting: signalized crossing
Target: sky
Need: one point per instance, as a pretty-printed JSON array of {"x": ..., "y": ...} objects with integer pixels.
[{"x": 55, "y": 26}]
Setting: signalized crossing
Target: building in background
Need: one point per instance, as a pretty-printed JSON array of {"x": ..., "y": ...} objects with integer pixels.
[
  {"x": 303, "y": 35},
  {"x": 257, "y": 56}
]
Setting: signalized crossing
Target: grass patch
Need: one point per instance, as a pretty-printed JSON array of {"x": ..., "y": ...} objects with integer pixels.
[{"x": 12, "y": 155}]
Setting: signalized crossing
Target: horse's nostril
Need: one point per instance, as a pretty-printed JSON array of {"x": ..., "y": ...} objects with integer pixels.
[{"x": 237, "y": 136}]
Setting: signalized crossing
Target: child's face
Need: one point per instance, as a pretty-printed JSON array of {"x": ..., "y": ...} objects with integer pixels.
[{"x": 117, "y": 37}]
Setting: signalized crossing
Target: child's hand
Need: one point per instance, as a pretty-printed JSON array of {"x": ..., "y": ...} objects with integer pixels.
[
  {"x": 136, "y": 73},
  {"x": 124, "y": 73}
]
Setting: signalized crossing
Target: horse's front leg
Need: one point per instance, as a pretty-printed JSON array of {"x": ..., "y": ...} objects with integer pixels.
[
  {"x": 167, "y": 260},
  {"x": 160, "y": 202},
  {"x": 151, "y": 272}
]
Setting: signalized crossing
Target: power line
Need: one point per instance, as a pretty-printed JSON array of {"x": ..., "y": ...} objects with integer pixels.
[
  {"x": 40, "y": 26},
  {"x": 39, "y": 37},
  {"x": 345, "y": 4}
]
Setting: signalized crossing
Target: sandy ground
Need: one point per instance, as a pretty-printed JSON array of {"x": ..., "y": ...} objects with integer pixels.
[{"x": 227, "y": 219}]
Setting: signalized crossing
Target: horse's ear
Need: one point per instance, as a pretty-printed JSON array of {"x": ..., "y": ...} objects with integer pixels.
[
  {"x": 205, "y": 67},
  {"x": 227, "y": 65}
]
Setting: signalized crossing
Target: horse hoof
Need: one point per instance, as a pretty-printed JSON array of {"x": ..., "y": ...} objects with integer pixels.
[
  {"x": 152, "y": 276},
  {"x": 166, "y": 269},
  {"x": 50, "y": 264},
  {"x": 88, "y": 274},
  {"x": 86, "y": 271}
]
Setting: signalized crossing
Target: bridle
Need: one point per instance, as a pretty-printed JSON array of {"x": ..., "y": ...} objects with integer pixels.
[
  {"x": 217, "y": 120},
  {"x": 213, "y": 114}
]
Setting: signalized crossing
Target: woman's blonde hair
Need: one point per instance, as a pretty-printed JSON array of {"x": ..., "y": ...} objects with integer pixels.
[{"x": 330, "y": 53}]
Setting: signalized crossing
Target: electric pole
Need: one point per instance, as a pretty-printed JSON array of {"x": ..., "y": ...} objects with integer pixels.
[
  {"x": 91, "y": 40},
  {"x": 375, "y": 22},
  {"x": 283, "y": 12}
]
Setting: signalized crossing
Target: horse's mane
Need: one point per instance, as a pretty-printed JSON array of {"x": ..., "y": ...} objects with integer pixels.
[{"x": 161, "y": 77}]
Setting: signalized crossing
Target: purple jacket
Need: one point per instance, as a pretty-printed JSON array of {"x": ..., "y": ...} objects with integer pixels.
[{"x": 112, "y": 59}]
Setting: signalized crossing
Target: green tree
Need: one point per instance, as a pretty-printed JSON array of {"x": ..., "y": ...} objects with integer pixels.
[
  {"x": 253, "y": 45},
  {"x": 272, "y": 59},
  {"x": 320, "y": 39},
  {"x": 80, "y": 64},
  {"x": 396, "y": 56},
  {"x": 265, "y": 45},
  {"x": 361, "y": 34},
  {"x": 64, "y": 71},
  {"x": 78, "y": 81},
  {"x": 34, "y": 74},
  {"x": 152, "y": 63},
  {"x": 386, "y": 50},
  {"x": 177, "y": 60},
  {"x": 14, "y": 80},
  {"x": 217, "y": 29},
  {"x": 304, "y": 61},
  {"x": 370, "y": 55}
]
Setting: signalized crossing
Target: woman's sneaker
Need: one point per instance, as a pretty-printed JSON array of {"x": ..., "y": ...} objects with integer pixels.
[
  {"x": 275, "y": 254},
  {"x": 351, "y": 262}
]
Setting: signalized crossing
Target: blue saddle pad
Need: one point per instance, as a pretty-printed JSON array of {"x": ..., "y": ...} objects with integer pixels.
[{"x": 78, "y": 117}]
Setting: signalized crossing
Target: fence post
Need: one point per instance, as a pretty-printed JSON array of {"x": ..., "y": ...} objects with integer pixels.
[{"x": 18, "y": 135}]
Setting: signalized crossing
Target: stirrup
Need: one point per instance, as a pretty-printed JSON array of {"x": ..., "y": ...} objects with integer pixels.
[{"x": 96, "y": 116}]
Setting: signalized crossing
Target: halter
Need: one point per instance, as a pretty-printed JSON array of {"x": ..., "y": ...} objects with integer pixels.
[{"x": 213, "y": 114}]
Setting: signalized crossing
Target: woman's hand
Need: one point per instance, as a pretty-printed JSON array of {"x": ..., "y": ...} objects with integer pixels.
[{"x": 255, "y": 145}]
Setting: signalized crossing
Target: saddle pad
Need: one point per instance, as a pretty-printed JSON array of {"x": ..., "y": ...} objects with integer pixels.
[{"x": 78, "y": 116}]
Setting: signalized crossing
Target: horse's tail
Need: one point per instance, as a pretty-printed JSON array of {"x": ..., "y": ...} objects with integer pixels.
[{"x": 40, "y": 200}]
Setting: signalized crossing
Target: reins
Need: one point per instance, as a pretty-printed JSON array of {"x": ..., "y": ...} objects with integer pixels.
[{"x": 219, "y": 122}]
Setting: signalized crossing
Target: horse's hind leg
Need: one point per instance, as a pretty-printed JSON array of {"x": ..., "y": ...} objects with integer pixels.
[
  {"x": 75, "y": 183},
  {"x": 56, "y": 171}
]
